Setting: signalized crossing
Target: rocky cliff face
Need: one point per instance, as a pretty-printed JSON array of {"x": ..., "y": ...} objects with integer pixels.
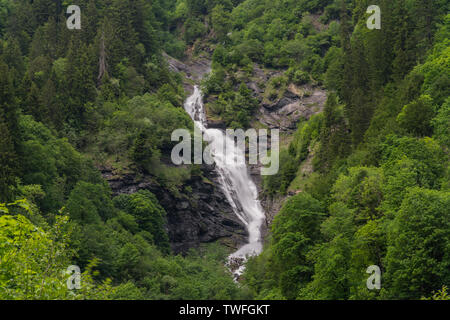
[
  {"x": 284, "y": 112},
  {"x": 198, "y": 214},
  {"x": 194, "y": 70},
  {"x": 293, "y": 104},
  {"x": 296, "y": 103}
]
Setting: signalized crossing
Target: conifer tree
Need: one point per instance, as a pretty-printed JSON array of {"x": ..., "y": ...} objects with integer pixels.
[
  {"x": 79, "y": 80},
  {"x": 404, "y": 47},
  {"x": 125, "y": 37},
  {"x": 334, "y": 137},
  {"x": 9, "y": 134}
]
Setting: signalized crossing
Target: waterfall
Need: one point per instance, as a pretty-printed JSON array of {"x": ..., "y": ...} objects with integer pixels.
[{"x": 235, "y": 181}]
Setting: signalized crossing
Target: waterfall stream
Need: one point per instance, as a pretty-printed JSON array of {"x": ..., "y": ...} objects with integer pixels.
[{"x": 235, "y": 181}]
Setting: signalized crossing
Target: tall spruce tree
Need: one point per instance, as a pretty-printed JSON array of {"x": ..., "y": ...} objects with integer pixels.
[{"x": 9, "y": 135}]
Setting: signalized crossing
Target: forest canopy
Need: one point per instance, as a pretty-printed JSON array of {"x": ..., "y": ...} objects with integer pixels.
[{"x": 73, "y": 102}]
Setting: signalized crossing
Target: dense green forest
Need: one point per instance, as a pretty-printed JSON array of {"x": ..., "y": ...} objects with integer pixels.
[{"x": 72, "y": 101}]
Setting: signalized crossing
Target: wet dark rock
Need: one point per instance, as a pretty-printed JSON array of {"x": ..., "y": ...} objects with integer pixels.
[
  {"x": 297, "y": 103},
  {"x": 200, "y": 215},
  {"x": 194, "y": 69}
]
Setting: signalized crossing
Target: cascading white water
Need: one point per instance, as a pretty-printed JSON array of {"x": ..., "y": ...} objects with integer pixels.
[{"x": 240, "y": 190}]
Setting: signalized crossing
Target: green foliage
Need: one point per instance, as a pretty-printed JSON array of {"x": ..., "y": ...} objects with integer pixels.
[
  {"x": 386, "y": 187},
  {"x": 8, "y": 134},
  {"x": 198, "y": 276},
  {"x": 107, "y": 92},
  {"x": 285, "y": 265},
  {"x": 428, "y": 159},
  {"x": 334, "y": 68},
  {"x": 334, "y": 136},
  {"x": 89, "y": 203},
  {"x": 148, "y": 214},
  {"x": 440, "y": 124},
  {"x": 221, "y": 21},
  {"x": 235, "y": 108},
  {"x": 440, "y": 295},
  {"x": 140, "y": 130},
  {"x": 307, "y": 133},
  {"x": 50, "y": 162},
  {"x": 298, "y": 77},
  {"x": 278, "y": 34},
  {"x": 194, "y": 29},
  {"x": 415, "y": 117},
  {"x": 279, "y": 182},
  {"x": 379, "y": 150},
  {"x": 331, "y": 277},
  {"x": 361, "y": 189},
  {"x": 33, "y": 258},
  {"x": 418, "y": 241}
]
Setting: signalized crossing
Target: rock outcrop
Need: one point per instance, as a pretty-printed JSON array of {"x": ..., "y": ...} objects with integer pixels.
[
  {"x": 194, "y": 70},
  {"x": 292, "y": 105},
  {"x": 198, "y": 214},
  {"x": 207, "y": 216},
  {"x": 286, "y": 112}
]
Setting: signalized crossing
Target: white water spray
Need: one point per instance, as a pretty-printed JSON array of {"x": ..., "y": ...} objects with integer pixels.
[{"x": 240, "y": 190}]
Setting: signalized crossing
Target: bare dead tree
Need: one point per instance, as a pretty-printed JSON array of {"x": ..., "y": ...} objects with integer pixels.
[{"x": 102, "y": 69}]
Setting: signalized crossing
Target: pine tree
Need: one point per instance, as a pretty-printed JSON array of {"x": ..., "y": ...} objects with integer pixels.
[
  {"x": 142, "y": 24},
  {"x": 379, "y": 47},
  {"x": 334, "y": 137},
  {"x": 8, "y": 160},
  {"x": 49, "y": 98},
  {"x": 425, "y": 14},
  {"x": 90, "y": 22},
  {"x": 9, "y": 135},
  {"x": 404, "y": 47},
  {"x": 80, "y": 75},
  {"x": 358, "y": 109},
  {"x": 125, "y": 37},
  {"x": 45, "y": 9},
  {"x": 12, "y": 56},
  {"x": 346, "y": 31},
  {"x": 33, "y": 103}
]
